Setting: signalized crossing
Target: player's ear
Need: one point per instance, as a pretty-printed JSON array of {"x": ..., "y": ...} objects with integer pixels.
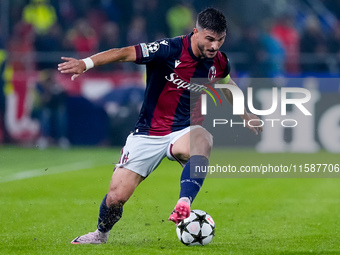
[{"x": 195, "y": 30}]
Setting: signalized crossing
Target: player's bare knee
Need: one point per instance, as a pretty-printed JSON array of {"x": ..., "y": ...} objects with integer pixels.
[
  {"x": 203, "y": 136},
  {"x": 115, "y": 201},
  {"x": 115, "y": 198},
  {"x": 202, "y": 143},
  {"x": 207, "y": 142}
]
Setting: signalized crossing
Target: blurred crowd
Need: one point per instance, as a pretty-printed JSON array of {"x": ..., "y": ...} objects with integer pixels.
[{"x": 290, "y": 40}]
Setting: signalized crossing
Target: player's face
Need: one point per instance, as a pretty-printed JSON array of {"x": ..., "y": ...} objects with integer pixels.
[{"x": 209, "y": 42}]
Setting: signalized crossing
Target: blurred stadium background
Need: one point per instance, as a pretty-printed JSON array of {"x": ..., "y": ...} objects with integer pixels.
[
  {"x": 267, "y": 38},
  {"x": 280, "y": 42}
]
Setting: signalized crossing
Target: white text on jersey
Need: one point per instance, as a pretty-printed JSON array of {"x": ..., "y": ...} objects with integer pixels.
[{"x": 183, "y": 84}]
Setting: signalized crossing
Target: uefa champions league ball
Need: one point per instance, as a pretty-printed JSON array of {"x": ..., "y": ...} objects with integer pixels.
[{"x": 197, "y": 229}]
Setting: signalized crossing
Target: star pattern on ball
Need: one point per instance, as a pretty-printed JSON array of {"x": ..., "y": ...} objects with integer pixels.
[
  {"x": 196, "y": 229},
  {"x": 201, "y": 219},
  {"x": 198, "y": 238},
  {"x": 182, "y": 226}
]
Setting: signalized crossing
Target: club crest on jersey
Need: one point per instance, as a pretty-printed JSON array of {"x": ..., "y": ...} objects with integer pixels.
[
  {"x": 212, "y": 73},
  {"x": 153, "y": 47}
]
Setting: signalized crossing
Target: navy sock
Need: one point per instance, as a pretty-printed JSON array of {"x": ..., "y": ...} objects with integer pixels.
[
  {"x": 192, "y": 179},
  {"x": 108, "y": 216}
]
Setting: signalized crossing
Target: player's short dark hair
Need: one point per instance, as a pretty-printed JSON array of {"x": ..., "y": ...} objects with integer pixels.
[{"x": 213, "y": 20}]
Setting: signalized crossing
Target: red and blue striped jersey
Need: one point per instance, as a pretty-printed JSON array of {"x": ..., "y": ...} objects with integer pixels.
[{"x": 170, "y": 65}]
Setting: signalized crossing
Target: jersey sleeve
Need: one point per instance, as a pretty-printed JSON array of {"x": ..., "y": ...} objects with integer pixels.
[{"x": 155, "y": 51}]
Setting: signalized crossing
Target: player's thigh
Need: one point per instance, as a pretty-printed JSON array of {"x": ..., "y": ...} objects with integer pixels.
[
  {"x": 123, "y": 184},
  {"x": 196, "y": 142}
]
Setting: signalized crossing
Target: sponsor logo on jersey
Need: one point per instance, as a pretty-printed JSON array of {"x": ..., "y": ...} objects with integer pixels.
[
  {"x": 145, "y": 50},
  {"x": 174, "y": 78}
]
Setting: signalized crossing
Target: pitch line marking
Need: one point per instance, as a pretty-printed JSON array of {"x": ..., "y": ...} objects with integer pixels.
[{"x": 50, "y": 170}]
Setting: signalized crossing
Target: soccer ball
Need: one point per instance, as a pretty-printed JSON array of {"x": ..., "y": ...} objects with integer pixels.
[{"x": 197, "y": 229}]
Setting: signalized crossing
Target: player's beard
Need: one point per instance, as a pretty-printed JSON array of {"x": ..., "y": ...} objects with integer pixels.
[{"x": 202, "y": 50}]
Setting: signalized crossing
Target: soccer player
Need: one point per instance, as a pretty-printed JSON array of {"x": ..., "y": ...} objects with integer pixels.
[{"x": 165, "y": 127}]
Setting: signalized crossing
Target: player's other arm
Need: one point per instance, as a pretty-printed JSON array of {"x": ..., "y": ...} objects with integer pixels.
[
  {"x": 78, "y": 66},
  {"x": 246, "y": 116}
]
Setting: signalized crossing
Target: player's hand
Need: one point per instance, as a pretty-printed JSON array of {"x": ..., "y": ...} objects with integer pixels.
[
  {"x": 73, "y": 66},
  {"x": 256, "y": 125}
]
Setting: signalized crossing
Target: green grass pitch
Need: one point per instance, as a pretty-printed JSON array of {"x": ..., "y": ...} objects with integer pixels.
[{"x": 49, "y": 197}]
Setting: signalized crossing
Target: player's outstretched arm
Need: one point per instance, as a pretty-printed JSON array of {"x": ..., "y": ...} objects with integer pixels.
[
  {"x": 78, "y": 66},
  {"x": 255, "y": 121}
]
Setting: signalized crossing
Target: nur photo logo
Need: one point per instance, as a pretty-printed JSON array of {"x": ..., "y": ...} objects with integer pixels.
[
  {"x": 204, "y": 98},
  {"x": 281, "y": 99}
]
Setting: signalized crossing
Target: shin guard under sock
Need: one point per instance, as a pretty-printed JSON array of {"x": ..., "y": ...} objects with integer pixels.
[
  {"x": 192, "y": 180},
  {"x": 108, "y": 216}
]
